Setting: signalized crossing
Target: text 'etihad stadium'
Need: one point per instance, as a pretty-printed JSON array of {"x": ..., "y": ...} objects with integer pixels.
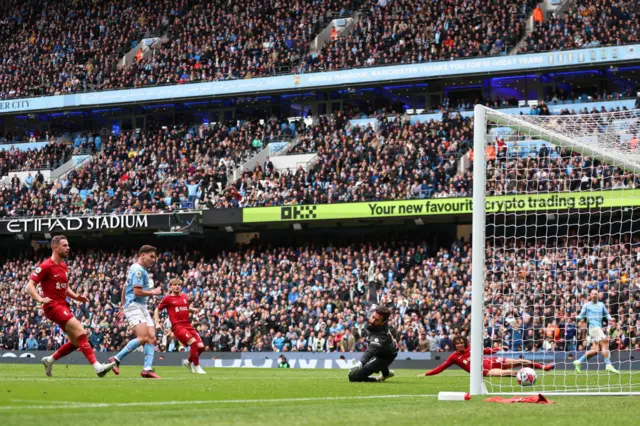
[{"x": 64, "y": 224}]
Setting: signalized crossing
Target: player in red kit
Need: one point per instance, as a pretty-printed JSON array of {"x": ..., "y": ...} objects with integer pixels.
[
  {"x": 53, "y": 277},
  {"x": 491, "y": 366},
  {"x": 177, "y": 305}
]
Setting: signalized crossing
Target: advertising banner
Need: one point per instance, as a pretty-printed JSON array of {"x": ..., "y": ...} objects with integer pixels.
[
  {"x": 62, "y": 224},
  {"x": 548, "y": 202}
]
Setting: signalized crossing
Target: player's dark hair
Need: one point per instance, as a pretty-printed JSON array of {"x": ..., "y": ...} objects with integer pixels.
[
  {"x": 460, "y": 339},
  {"x": 383, "y": 312},
  {"x": 146, "y": 249},
  {"x": 55, "y": 241}
]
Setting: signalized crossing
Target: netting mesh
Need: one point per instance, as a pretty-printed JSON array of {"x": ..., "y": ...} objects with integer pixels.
[{"x": 563, "y": 215}]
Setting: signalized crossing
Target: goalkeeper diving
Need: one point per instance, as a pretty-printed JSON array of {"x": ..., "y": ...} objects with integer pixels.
[
  {"x": 382, "y": 350},
  {"x": 595, "y": 311}
]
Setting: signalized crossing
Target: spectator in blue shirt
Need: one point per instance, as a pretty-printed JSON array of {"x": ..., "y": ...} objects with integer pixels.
[
  {"x": 32, "y": 343},
  {"x": 293, "y": 296},
  {"x": 28, "y": 181},
  {"x": 278, "y": 342}
]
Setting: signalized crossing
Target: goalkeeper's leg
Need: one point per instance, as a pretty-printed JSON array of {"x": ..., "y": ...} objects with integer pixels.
[{"x": 364, "y": 372}]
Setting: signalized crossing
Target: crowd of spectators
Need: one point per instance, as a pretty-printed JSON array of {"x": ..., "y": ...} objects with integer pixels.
[
  {"x": 315, "y": 297},
  {"x": 404, "y": 31},
  {"x": 143, "y": 171},
  {"x": 588, "y": 23},
  {"x": 48, "y": 157},
  {"x": 58, "y": 47},
  {"x": 224, "y": 40},
  {"x": 396, "y": 160}
]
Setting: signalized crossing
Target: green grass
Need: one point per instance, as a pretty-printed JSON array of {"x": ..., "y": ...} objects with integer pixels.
[{"x": 276, "y": 397}]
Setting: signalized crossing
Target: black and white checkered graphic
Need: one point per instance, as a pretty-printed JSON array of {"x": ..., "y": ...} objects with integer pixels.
[{"x": 298, "y": 213}]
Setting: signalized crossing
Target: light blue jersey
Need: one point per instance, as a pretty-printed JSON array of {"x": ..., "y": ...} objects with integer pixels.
[
  {"x": 136, "y": 277},
  {"x": 594, "y": 313}
]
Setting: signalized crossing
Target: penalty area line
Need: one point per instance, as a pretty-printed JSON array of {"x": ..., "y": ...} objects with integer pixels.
[{"x": 218, "y": 402}]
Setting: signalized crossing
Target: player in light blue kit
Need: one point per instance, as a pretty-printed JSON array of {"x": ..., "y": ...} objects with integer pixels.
[
  {"x": 136, "y": 291},
  {"x": 595, "y": 311}
]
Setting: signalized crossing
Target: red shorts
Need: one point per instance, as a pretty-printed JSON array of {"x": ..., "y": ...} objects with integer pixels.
[
  {"x": 184, "y": 333},
  {"x": 489, "y": 363},
  {"x": 58, "y": 312}
]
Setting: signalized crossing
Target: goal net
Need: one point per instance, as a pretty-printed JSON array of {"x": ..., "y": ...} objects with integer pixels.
[{"x": 560, "y": 227}]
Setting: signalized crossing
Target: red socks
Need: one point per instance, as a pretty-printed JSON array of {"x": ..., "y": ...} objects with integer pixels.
[
  {"x": 87, "y": 350},
  {"x": 64, "y": 350},
  {"x": 195, "y": 352},
  {"x": 538, "y": 366}
]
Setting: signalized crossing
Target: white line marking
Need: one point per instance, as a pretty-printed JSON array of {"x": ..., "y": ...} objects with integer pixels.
[
  {"x": 229, "y": 401},
  {"x": 35, "y": 401},
  {"x": 139, "y": 379}
]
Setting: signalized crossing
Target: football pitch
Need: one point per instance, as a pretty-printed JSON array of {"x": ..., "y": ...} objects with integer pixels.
[{"x": 75, "y": 396}]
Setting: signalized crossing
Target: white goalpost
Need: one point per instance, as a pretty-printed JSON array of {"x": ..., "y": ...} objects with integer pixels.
[{"x": 556, "y": 215}]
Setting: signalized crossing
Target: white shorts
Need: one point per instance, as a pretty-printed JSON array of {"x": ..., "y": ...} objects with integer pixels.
[
  {"x": 137, "y": 313},
  {"x": 596, "y": 334}
]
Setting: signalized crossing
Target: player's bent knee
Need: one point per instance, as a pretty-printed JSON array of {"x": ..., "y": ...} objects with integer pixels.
[
  {"x": 191, "y": 341},
  {"x": 201, "y": 346}
]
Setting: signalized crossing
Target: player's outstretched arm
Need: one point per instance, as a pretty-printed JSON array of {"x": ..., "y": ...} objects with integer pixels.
[
  {"x": 33, "y": 292},
  {"x": 439, "y": 369}
]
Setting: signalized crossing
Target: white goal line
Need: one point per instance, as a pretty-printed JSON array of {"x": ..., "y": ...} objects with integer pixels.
[{"x": 58, "y": 405}]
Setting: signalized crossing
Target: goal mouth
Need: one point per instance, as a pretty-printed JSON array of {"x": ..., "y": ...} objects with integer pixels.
[{"x": 559, "y": 237}]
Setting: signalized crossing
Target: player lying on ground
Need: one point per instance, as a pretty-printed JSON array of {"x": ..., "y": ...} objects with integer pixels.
[
  {"x": 595, "y": 311},
  {"x": 137, "y": 290},
  {"x": 491, "y": 366},
  {"x": 177, "y": 305},
  {"x": 53, "y": 277},
  {"x": 382, "y": 350}
]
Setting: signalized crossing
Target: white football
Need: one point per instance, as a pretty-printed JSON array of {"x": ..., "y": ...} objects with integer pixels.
[{"x": 526, "y": 377}]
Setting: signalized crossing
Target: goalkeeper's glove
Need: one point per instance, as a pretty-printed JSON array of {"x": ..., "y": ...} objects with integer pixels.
[{"x": 356, "y": 366}]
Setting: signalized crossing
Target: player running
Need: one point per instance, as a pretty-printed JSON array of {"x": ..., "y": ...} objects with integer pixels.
[
  {"x": 53, "y": 277},
  {"x": 491, "y": 366},
  {"x": 177, "y": 305},
  {"x": 595, "y": 311},
  {"x": 137, "y": 290}
]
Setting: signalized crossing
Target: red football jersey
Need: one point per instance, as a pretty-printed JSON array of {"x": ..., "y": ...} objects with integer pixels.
[
  {"x": 462, "y": 360},
  {"x": 53, "y": 278},
  {"x": 178, "y": 309}
]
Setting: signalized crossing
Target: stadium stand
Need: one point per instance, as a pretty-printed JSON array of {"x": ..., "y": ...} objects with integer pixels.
[
  {"x": 589, "y": 23},
  {"x": 410, "y": 32},
  {"x": 59, "y": 47}
]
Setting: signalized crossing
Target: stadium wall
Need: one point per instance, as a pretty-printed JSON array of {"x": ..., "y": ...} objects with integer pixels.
[{"x": 309, "y": 360}]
